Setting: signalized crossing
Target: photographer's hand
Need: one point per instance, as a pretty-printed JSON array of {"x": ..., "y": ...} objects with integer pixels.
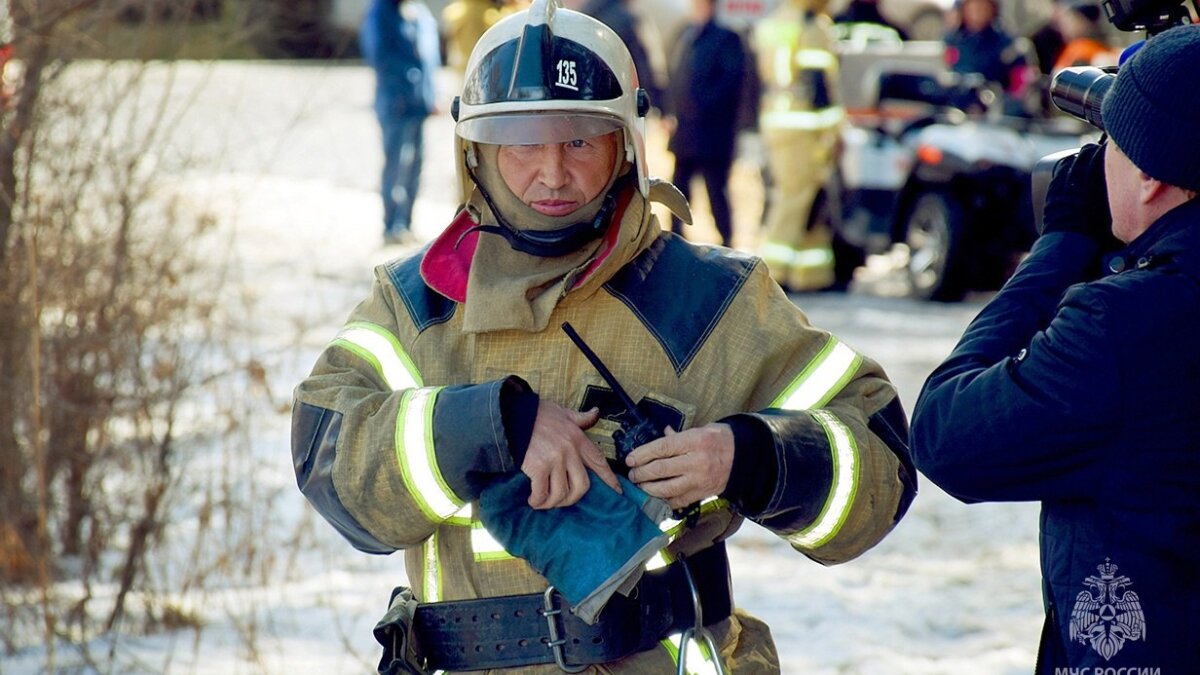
[{"x": 1077, "y": 199}]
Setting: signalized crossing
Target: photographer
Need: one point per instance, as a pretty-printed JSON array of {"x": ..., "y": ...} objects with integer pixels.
[{"x": 1075, "y": 385}]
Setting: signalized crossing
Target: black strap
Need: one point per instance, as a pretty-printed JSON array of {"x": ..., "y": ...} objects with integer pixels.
[{"x": 514, "y": 630}]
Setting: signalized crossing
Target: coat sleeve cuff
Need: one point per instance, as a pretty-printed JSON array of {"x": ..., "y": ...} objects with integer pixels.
[
  {"x": 755, "y": 468},
  {"x": 518, "y": 412}
]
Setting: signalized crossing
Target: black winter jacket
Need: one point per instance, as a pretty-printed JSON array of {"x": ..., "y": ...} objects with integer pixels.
[
  {"x": 1084, "y": 396},
  {"x": 704, "y": 92}
]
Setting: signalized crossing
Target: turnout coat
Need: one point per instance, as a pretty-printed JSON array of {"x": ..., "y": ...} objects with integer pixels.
[
  {"x": 402, "y": 416},
  {"x": 1080, "y": 396}
]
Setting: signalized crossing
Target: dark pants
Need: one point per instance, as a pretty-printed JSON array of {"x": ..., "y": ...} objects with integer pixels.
[
  {"x": 715, "y": 172},
  {"x": 402, "y": 149}
]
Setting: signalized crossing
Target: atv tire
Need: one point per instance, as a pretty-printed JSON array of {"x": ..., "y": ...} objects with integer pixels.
[{"x": 934, "y": 235}]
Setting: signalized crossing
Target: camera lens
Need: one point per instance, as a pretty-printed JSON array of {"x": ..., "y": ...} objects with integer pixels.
[{"x": 1079, "y": 91}]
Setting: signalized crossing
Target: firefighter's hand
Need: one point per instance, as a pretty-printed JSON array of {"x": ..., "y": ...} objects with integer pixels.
[
  {"x": 560, "y": 455},
  {"x": 684, "y": 467}
]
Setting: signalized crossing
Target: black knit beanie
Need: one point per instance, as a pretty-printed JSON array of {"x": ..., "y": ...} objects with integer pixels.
[{"x": 1152, "y": 111}]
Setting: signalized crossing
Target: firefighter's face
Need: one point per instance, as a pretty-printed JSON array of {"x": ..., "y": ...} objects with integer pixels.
[{"x": 555, "y": 179}]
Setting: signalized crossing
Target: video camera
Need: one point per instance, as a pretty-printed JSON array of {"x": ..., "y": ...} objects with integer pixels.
[{"x": 1080, "y": 91}]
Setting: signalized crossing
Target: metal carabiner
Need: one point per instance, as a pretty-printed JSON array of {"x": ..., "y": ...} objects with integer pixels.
[{"x": 690, "y": 634}]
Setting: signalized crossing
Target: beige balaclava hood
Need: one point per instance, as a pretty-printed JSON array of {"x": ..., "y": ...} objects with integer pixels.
[{"x": 510, "y": 289}]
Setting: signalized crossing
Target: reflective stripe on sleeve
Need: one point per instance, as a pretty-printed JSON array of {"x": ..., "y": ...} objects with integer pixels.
[
  {"x": 822, "y": 379},
  {"x": 415, "y": 452},
  {"x": 845, "y": 484},
  {"x": 382, "y": 350}
]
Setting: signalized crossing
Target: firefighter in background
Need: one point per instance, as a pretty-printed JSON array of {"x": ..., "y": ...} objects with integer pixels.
[
  {"x": 800, "y": 120},
  {"x": 463, "y": 23}
]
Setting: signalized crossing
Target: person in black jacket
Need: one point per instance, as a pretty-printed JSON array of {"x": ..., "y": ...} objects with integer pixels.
[
  {"x": 1076, "y": 385},
  {"x": 704, "y": 93},
  {"x": 616, "y": 15}
]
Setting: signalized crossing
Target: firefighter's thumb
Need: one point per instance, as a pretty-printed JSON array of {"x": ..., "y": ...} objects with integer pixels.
[{"x": 586, "y": 419}]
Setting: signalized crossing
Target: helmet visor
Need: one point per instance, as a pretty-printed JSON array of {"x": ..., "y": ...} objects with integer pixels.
[{"x": 531, "y": 128}]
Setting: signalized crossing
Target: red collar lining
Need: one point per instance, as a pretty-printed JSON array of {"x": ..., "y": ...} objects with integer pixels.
[{"x": 447, "y": 264}]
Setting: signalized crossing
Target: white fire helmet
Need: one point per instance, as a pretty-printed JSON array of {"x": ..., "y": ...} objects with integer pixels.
[{"x": 551, "y": 75}]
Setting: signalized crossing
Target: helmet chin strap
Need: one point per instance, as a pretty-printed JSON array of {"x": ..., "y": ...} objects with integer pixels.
[{"x": 548, "y": 243}]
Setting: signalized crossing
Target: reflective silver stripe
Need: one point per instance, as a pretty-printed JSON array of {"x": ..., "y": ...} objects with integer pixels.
[
  {"x": 845, "y": 484},
  {"x": 822, "y": 379},
  {"x": 803, "y": 119},
  {"x": 433, "y": 569},
  {"x": 383, "y": 351},
  {"x": 415, "y": 452},
  {"x": 485, "y": 546}
]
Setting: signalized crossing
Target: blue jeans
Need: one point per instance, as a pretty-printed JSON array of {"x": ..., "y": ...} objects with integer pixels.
[{"x": 402, "y": 149}]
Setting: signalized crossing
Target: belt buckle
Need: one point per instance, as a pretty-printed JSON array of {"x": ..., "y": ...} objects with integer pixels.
[{"x": 556, "y": 640}]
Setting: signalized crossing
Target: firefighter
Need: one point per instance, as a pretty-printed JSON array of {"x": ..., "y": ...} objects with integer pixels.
[
  {"x": 452, "y": 419},
  {"x": 463, "y": 23},
  {"x": 800, "y": 120}
]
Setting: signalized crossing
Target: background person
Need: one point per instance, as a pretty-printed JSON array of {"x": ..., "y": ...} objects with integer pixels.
[
  {"x": 463, "y": 23},
  {"x": 1084, "y": 40},
  {"x": 1074, "y": 386},
  {"x": 399, "y": 40},
  {"x": 800, "y": 120},
  {"x": 707, "y": 70},
  {"x": 617, "y": 15},
  {"x": 453, "y": 380},
  {"x": 978, "y": 44}
]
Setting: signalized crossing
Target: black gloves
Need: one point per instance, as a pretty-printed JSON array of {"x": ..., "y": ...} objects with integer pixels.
[{"x": 1077, "y": 199}]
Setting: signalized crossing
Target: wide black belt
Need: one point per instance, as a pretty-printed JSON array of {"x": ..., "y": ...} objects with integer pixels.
[{"x": 523, "y": 630}]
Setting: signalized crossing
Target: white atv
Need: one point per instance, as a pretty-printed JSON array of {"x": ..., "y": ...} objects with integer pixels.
[{"x": 948, "y": 180}]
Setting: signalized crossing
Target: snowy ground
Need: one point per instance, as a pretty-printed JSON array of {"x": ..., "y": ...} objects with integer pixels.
[{"x": 953, "y": 590}]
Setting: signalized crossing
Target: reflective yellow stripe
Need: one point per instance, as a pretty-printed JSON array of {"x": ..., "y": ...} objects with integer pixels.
[
  {"x": 822, "y": 379},
  {"x": 415, "y": 451},
  {"x": 673, "y": 528},
  {"x": 803, "y": 119},
  {"x": 698, "y": 655},
  {"x": 845, "y": 484},
  {"x": 464, "y": 517},
  {"x": 805, "y": 258},
  {"x": 658, "y": 561},
  {"x": 485, "y": 546},
  {"x": 383, "y": 351},
  {"x": 433, "y": 569},
  {"x": 817, "y": 59}
]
